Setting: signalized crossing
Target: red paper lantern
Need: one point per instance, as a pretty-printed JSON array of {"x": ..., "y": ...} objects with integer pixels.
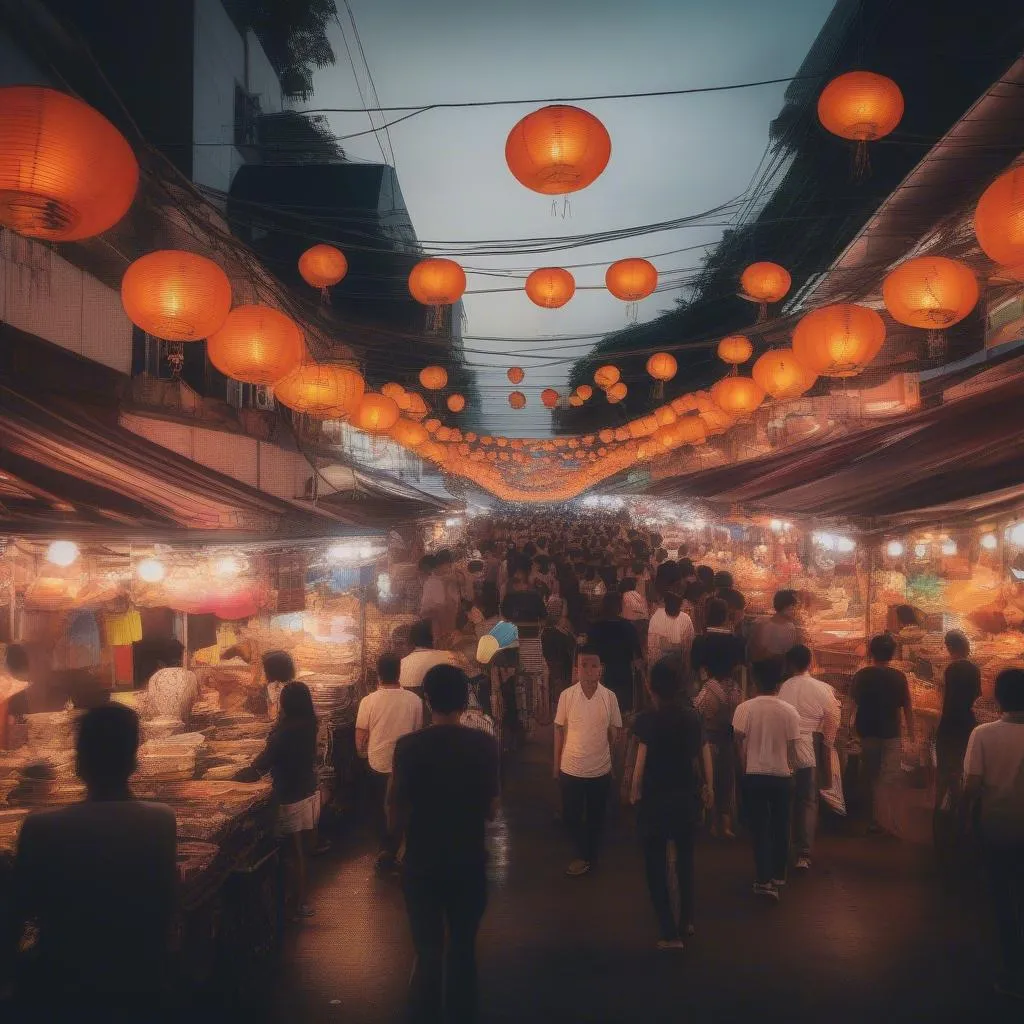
[
  {"x": 549, "y": 398},
  {"x": 558, "y": 149}
]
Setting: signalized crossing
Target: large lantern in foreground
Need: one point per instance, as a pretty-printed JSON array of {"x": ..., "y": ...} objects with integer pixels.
[
  {"x": 838, "y": 340},
  {"x": 860, "y": 106},
  {"x": 433, "y": 378},
  {"x": 930, "y": 292},
  {"x": 176, "y": 295},
  {"x": 437, "y": 282},
  {"x": 66, "y": 173},
  {"x": 781, "y": 375},
  {"x": 558, "y": 149},
  {"x": 322, "y": 389},
  {"x": 999, "y": 221},
  {"x": 376, "y": 413},
  {"x": 550, "y": 287},
  {"x": 631, "y": 279},
  {"x": 737, "y": 396},
  {"x": 257, "y": 345},
  {"x": 322, "y": 266},
  {"x": 765, "y": 283}
]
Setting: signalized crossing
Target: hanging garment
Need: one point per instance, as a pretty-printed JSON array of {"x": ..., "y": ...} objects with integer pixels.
[{"x": 120, "y": 630}]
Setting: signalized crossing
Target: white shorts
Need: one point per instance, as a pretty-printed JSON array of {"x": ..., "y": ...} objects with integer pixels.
[{"x": 300, "y": 816}]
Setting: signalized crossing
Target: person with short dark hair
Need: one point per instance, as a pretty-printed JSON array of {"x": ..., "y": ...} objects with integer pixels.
[
  {"x": 618, "y": 647},
  {"x": 383, "y": 718},
  {"x": 100, "y": 880},
  {"x": 670, "y": 632},
  {"x": 718, "y": 652},
  {"x": 961, "y": 688},
  {"x": 767, "y": 730},
  {"x": 994, "y": 798},
  {"x": 667, "y": 783},
  {"x": 422, "y": 657},
  {"x": 879, "y": 693},
  {"x": 773, "y": 635},
  {"x": 444, "y": 788}
]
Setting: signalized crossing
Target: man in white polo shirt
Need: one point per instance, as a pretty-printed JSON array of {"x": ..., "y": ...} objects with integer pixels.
[
  {"x": 383, "y": 718},
  {"x": 586, "y": 724}
]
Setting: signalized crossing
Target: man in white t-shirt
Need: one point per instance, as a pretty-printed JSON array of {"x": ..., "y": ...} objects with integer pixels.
[
  {"x": 423, "y": 657},
  {"x": 766, "y": 731},
  {"x": 670, "y": 632},
  {"x": 384, "y": 717},
  {"x": 818, "y": 707},
  {"x": 586, "y": 725},
  {"x": 994, "y": 778}
]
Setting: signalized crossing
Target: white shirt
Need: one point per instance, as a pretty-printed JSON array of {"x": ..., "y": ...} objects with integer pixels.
[
  {"x": 818, "y": 707},
  {"x": 585, "y": 753},
  {"x": 416, "y": 665},
  {"x": 995, "y": 751},
  {"x": 388, "y": 714},
  {"x": 633, "y": 605},
  {"x": 435, "y": 596},
  {"x": 667, "y": 632},
  {"x": 768, "y": 725}
]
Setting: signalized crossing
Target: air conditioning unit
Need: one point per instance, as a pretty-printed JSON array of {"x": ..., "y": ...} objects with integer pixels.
[{"x": 263, "y": 397}]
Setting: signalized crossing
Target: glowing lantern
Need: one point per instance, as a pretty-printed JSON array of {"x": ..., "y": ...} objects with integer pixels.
[
  {"x": 437, "y": 282},
  {"x": 617, "y": 392},
  {"x": 470, "y": 436},
  {"x": 930, "y": 292},
  {"x": 443, "y": 434},
  {"x": 549, "y": 398},
  {"x": 631, "y": 280},
  {"x": 432, "y": 426},
  {"x": 999, "y": 222},
  {"x": 780, "y": 374},
  {"x": 398, "y": 395},
  {"x": 456, "y": 403},
  {"x": 765, "y": 283},
  {"x": 585, "y": 391},
  {"x": 665, "y": 415},
  {"x": 575, "y": 401},
  {"x": 737, "y": 396},
  {"x": 684, "y": 404},
  {"x": 839, "y": 340},
  {"x": 558, "y": 149},
  {"x": 860, "y": 106},
  {"x": 66, "y": 173},
  {"x": 607, "y": 435},
  {"x": 622, "y": 433},
  {"x": 257, "y": 345},
  {"x": 517, "y": 400},
  {"x": 323, "y": 390},
  {"x": 375, "y": 413},
  {"x": 417, "y": 406},
  {"x": 606, "y": 376},
  {"x": 409, "y": 434},
  {"x": 515, "y": 374},
  {"x": 550, "y": 287},
  {"x": 735, "y": 349},
  {"x": 322, "y": 266},
  {"x": 433, "y": 378},
  {"x": 690, "y": 430},
  {"x": 662, "y": 366}
]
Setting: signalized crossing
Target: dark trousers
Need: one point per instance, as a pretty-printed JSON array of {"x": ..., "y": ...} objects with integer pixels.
[
  {"x": 584, "y": 803},
  {"x": 806, "y": 809},
  {"x": 656, "y": 866},
  {"x": 767, "y": 801},
  {"x": 389, "y": 843},
  {"x": 1005, "y": 870},
  {"x": 444, "y": 980}
]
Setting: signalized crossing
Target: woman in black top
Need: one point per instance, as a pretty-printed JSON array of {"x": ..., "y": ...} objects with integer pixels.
[
  {"x": 618, "y": 645},
  {"x": 962, "y": 688}
]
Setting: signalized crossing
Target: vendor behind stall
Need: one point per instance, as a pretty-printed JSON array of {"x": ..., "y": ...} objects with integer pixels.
[{"x": 172, "y": 689}]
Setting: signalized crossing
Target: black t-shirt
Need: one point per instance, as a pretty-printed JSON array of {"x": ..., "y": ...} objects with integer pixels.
[
  {"x": 719, "y": 653},
  {"x": 446, "y": 777},
  {"x": 962, "y": 689},
  {"x": 558, "y": 648},
  {"x": 670, "y": 785},
  {"x": 879, "y": 693},
  {"x": 523, "y": 606},
  {"x": 617, "y": 645},
  {"x": 290, "y": 757}
]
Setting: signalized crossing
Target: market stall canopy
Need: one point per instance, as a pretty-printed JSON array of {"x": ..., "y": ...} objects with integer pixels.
[{"x": 961, "y": 456}]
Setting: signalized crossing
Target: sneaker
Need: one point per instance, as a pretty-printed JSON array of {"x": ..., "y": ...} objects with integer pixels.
[
  {"x": 577, "y": 868},
  {"x": 803, "y": 863},
  {"x": 676, "y": 944},
  {"x": 766, "y": 889}
]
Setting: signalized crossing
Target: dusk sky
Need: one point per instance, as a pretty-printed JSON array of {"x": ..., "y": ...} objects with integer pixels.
[{"x": 671, "y": 156}]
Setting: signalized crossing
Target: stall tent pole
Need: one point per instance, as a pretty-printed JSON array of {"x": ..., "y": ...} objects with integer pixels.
[{"x": 872, "y": 555}]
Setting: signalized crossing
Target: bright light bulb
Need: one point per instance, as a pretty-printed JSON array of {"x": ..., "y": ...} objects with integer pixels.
[
  {"x": 845, "y": 544},
  {"x": 452, "y": 522},
  {"x": 1016, "y": 534},
  {"x": 989, "y": 542},
  {"x": 920, "y": 550},
  {"x": 62, "y": 552},
  {"x": 776, "y": 526},
  {"x": 151, "y": 570},
  {"x": 227, "y": 566},
  {"x": 894, "y": 549},
  {"x": 949, "y": 546}
]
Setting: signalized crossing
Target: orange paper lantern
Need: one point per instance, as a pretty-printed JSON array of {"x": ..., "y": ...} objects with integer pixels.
[
  {"x": 575, "y": 401},
  {"x": 606, "y": 376},
  {"x": 838, "y": 340},
  {"x": 322, "y": 266},
  {"x": 617, "y": 392},
  {"x": 375, "y": 413},
  {"x": 781, "y": 375},
  {"x": 550, "y": 287},
  {"x": 765, "y": 283},
  {"x": 860, "y": 106},
  {"x": 397, "y": 394},
  {"x": 433, "y": 378},
  {"x": 66, "y": 173},
  {"x": 417, "y": 406},
  {"x": 607, "y": 435},
  {"x": 176, "y": 295},
  {"x": 999, "y": 222},
  {"x": 662, "y": 366},
  {"x": 456, "y": 403},
  {"x": 437, "y": 282},
  {"x": 517, "y": 400},
  {"x": 737, "y": 396},
  {"x": 558, "y": 149},
  {"x": 257, "y": 345},
  {"x": 735, "y": 349},
  {"x": 631, "y": 280},
  {"x": 515, "y": 374},
  {"x": 409, "y": 434},
  {"x": 321, "y": 389},
  {"x": 585, "y": 391},
  {"x": 549, "y": 398},
  {"x": 930, "y": 292}
]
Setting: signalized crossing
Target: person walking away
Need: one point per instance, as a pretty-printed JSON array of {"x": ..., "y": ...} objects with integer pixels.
[
  {"x": 767, "y": 730},
  {"x": 444, "y": 788},
  {"x": 718, "y": 645},
  {"x": 289, "y": 755},
  {"x": 879, "y": 693},
  {"x": 666, "y": 789},
  {"x": 994, "y": 800},
  {"x": 100, "y": 880},
  {"x": 670, "y": 633},
  {"x": 523, "y": 605},
  {"x": 558, "y": 644},
  {"x": 771, "y": 636},
  {"x": 634, "y": 608},
  {"x": 618, "y": 647},
  {"x": 587, "y": 723},
  {"x": 383, "y": 718},
  {"x": 961, "y": 688},
  {"x": 422, "y": 657},
  {"x": 819, "y": 710}
]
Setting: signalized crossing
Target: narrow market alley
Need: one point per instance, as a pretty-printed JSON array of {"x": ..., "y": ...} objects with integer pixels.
[{"x": 871, "y": 927}]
